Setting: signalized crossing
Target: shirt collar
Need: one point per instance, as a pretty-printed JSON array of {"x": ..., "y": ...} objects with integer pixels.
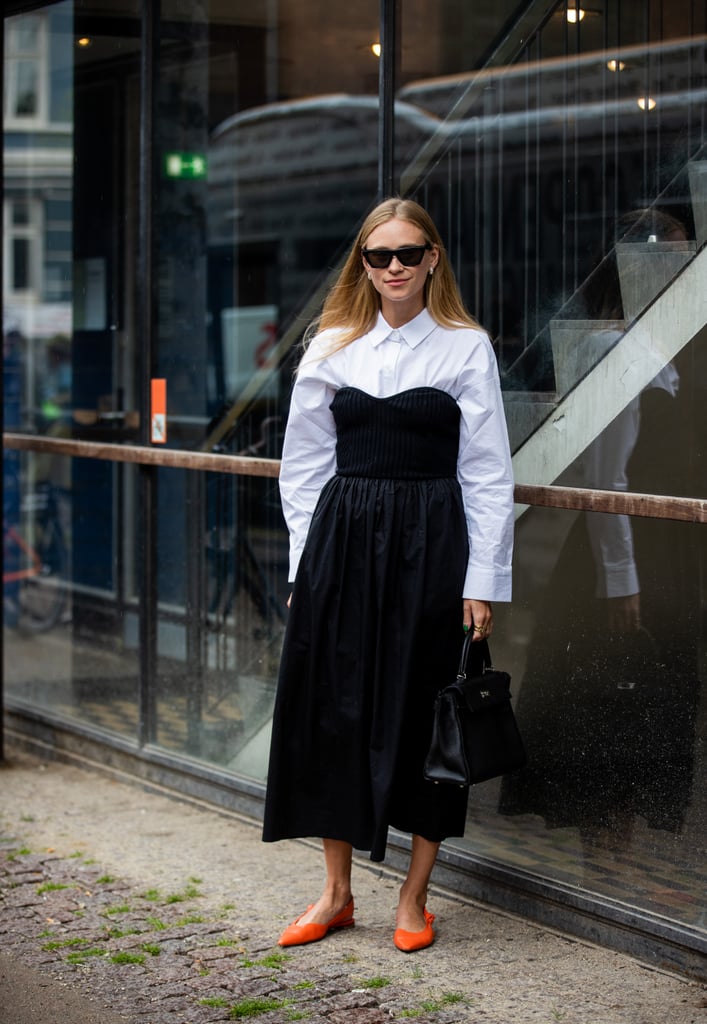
[{"x": 412, "y": 333}]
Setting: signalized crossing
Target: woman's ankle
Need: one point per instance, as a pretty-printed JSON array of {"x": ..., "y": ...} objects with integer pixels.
[
  {"x": 412, "y": 897},
  {"x": 337, "y": 893}
]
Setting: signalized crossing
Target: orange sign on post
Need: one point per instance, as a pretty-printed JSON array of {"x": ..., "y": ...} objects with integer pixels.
[{"x": 158, "y": 417}]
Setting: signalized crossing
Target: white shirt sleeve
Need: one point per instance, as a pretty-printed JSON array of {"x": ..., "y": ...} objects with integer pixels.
[
  {"x": 610, "y": 535},
  {"x": 308, "y": 453},
  {"x": 486, "y": 477}
]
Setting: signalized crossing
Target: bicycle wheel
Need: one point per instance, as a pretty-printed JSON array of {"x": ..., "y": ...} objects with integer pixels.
[{"x": 43, "y": 597}]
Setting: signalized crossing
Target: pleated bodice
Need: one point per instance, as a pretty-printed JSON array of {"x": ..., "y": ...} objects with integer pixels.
[{"x": 412, "y": 435}]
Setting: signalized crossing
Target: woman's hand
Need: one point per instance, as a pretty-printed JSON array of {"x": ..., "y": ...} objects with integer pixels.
[{"x": 478, "y": 617}]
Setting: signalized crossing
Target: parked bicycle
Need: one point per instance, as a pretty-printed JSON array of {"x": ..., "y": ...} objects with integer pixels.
[{"x": 35, "y": 564}]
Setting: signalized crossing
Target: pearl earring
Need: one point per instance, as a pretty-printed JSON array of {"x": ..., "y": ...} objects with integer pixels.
[
  {"x": 369, "y": 276},
  {"x": 432, "y": 270}
]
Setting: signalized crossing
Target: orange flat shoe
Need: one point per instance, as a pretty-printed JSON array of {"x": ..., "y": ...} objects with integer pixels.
[
  {"x": 409, "y": 942},
  {"x": 297, "y": 934}
]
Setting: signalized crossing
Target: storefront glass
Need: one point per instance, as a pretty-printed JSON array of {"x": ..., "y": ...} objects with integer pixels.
[
  {"x": 613, "y": 717},
  {"x": 70, "y": 172},
  {"x": 566, "y": 169}
]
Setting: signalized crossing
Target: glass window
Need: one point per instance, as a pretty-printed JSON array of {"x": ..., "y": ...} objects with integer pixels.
[
  {"x": 20, "y": 213},
  {"x": 67, "y": 649},
  {"x": 267, "y": 138},
  {"x": 20, "y": 275},
  {"x": 23, "y": 248},
  {"x": 25, "y": 68},
  {"x": 67, "y": 284},
  {"x": 565, "y": 163},
  {"x": 607, "y": 666},
  {"x": 266, "y": 149}
]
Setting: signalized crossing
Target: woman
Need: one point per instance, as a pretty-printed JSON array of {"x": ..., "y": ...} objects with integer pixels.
[{"x": 397, "y": 491}]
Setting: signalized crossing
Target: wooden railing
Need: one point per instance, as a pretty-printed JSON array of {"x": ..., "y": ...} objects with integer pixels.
[{"x": 654, "y": 506}]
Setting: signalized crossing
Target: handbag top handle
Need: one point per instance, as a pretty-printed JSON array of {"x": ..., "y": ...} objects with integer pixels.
[{"x": 485, "y": 653}]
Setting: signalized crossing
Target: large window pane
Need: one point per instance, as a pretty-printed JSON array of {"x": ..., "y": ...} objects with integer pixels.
[
  {"x": 67, "y": 651},
  {"x": 613, "y": 718},
  {"x": 267, "y": 142},
  {"x": 69, "y": 188},
  {"x": 565, "y": 163},
  {"x": 221, "y": 619}
]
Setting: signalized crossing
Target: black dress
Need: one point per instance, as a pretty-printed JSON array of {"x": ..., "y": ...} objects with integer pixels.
[{"x": 374, "y": 630}]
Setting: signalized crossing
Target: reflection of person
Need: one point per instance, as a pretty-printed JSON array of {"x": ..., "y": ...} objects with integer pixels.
[
  {"x": 604, "y": 463},
  {"x": 56, "y": 382},
  {"x": 607, "y": 704},
  {"x": 396, "y": 485}
]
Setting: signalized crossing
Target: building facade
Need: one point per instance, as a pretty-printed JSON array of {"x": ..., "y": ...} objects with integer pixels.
[{"x": 181, "y": 181}]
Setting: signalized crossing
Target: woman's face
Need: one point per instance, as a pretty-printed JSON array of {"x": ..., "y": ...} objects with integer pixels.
[{"x": 401, "y": 288}]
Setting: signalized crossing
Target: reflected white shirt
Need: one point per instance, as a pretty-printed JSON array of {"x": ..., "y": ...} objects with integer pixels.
[
  {"x": 384, "y": 362},
  {"x": 604, "y": 465}
]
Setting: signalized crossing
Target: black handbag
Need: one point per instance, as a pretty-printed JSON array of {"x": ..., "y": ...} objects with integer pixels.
[{"x": 475, "y": 736}]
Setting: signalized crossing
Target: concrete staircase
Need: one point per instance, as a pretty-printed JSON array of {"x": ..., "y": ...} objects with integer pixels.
[{"x": 601, "y": 365}]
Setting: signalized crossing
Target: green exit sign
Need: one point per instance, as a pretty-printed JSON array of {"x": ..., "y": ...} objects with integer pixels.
[{"x": 184, "y": 165}]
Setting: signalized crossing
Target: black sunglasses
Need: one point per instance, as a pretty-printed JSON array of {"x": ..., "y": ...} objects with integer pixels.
[{"x": 409, "y": 256}]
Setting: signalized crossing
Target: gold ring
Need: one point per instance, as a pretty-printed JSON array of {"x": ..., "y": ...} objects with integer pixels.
[{"x": 479, "y": 629}]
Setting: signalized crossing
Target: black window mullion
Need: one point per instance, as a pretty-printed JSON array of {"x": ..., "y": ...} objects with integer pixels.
[
  {"x": 146, "y": 327},
  {"x": 387, "y": 77}
]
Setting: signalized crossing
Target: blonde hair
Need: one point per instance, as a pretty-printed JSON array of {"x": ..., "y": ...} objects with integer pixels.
[{"x": 352, "y": 305}]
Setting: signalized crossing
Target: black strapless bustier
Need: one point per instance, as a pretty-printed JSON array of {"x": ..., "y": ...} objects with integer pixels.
[{"x": 412, "y": 435}]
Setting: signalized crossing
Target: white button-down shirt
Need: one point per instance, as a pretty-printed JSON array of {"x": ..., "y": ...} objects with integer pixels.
[{"x": 384, "y": 362}]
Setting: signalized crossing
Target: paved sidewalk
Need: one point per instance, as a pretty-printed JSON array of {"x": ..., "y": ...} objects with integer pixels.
[{"x": 126, "y": 905}]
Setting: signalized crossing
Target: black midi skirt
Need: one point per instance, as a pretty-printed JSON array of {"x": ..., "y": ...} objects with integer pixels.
[{"x": 374, "y": 631}]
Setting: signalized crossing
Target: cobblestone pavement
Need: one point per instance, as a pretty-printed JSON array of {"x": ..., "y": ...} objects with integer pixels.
[{"x": 165, "y": 912}]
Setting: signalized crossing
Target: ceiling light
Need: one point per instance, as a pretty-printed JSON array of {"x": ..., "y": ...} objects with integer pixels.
[
  {"x": 376, "y": 49},
  {"x": 615, "y": 65},
  {"x": 84, "y": 42},
  {"x": 646, "y": 102},
  {"x": 575, "y": 14}
]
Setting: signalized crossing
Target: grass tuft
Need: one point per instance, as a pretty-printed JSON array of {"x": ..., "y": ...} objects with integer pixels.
[
  {"x": 190, "y": 892},
  {"x": 275, "y": 960},
  {"x": 63, "y": 944},
  {"x": 128, "y": 958},
  {"x": 82, "y": 955},
  {"x": 190, "y": 919},
  {"x": 156, "y": 924},
  {"x": 255, "y": 1007},
  {"x": 119, "y": 908}
]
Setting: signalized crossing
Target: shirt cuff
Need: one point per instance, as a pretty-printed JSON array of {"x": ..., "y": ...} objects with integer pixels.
[
  {"x": 483, "y": 584},
  {"x": 295, "y": 555},
  {"x": 618, "y": 580}
]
